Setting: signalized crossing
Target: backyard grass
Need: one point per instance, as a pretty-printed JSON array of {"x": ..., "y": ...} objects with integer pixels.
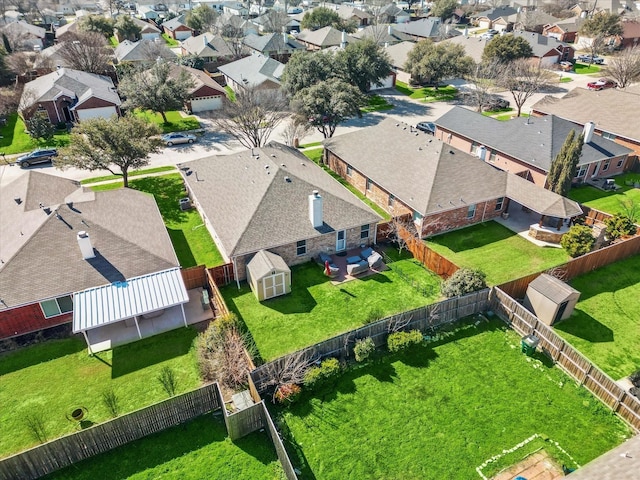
[
  {"x": 15, "y": 139},
  {"x": 497, "y": 251},
  {"x": 312, "y": 144},
  {"x": 175, "y": 121},
  {"x": 584, "y": 69},
  {"x": 508, "y": 116},
  {"x": 191, "y": 239},
  {"x": 608, "y": 201},
  {"x": 428, "y": 94},
  {"x": 113, "y": 41},
  {"x": 441, "y": 410},
  {"x": 51, "y": 379},
  {"x": 134, "y": 173},
  {"x": 316, "y": 309},
  {"x": 170, "y": 41},
  {"x": 376, "y": 104},
  {"x": 196, "y": 450},
  {"x": 605, "y": 325},
  {"x": 231, "y": 95}
]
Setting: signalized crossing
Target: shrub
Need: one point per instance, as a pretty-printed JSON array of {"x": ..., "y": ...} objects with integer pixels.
[
  {"x": 328, "y": 370},
  {"x": 635, "y": 378},
  {"x": 619, "y": 225},
  {"x": 111, "y": 401},
  {"x": 578, "y": 240},
  {"x": 287, "y": 393},
  {"x": 401, "y": 340},
  {"x": 462, "y": 282},
  {"x": 363, "y": 349},
  {"x": 168, "y": 380},
  {"x": 374, "y": 316}
]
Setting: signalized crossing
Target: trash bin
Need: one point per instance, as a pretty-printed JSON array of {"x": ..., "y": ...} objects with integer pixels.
[{"x": 529, "y": 344}]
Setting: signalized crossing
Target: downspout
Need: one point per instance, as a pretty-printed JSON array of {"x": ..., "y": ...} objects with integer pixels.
[
  {"x": 484, "y": 211},
  {"x": 235, "y": 272}
]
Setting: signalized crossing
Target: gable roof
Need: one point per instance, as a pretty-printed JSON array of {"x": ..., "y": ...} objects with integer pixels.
[
  {"x": 253, "y": 70},
  {"x": 398, "y": 53},
  {"x": 198, "y": 77},
  {"x": 23, "y": 28},
  {"x": 424, "y": 28},
  {"x": 179, "y": 21},
  {"x": 272, "y": 42},
  {"x": 40, "y": 250},
  {"x": 535, "y": 141},
  {"x": 325, "y": 37},
  {"x": 146, "y": 27},
  {"x": 206, "y": 45},
  {"x": 69, "y": 27},
  {"x": 612, "y": 110},
  {"x": 260, "y": 201},
  {"x": 473, "y": 46},
  {"x": 346, "y": 12},
  {"x": 383, "y": 34},
  {"x": 495, "y": 13},
  {"x": 552, "y": 288},
  {"x": 265, "y": 262},
  {"x": 541, "y": 44},
  {"x": 128, "y": 51},
  {"x": 568, "y": 25}
]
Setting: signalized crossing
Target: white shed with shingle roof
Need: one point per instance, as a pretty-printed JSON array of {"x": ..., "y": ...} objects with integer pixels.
[
  {"x": 268, "y": 275},
  {"x": 550, "y": 299}
]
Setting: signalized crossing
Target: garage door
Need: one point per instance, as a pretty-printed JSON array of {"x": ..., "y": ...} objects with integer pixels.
[
  {"x": 386, "y": 83},
  {"x": 102, "y": 112},
  {"x": 273, "y": 285},
  {"x": 205, "y": 104}
]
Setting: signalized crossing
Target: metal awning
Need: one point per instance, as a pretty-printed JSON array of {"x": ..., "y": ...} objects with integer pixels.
[{"x": 119, "y": 301}]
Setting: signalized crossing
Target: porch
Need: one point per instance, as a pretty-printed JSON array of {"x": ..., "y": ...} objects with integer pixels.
[{"x": 522, "y": 220}]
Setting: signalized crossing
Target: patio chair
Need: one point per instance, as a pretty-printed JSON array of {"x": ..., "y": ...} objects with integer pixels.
[
  {"x": 375, "y": 260},
  {"x": 357, "y": 268},
  {"x": 366, "y": 253}
]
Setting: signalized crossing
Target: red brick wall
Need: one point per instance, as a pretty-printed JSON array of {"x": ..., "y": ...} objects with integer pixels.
[
  {"x": 454, "y": 219},
  {"x": 21, "y": 320}
]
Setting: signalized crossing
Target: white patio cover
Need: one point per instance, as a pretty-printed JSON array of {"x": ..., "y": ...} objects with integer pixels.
[{"x": 118, "y": 301}]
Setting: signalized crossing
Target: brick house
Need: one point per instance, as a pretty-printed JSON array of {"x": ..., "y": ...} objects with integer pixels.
[
  {"x": 407, "y": 172},
  {"x": 255, "y": 71},
  {"x": 205, "y": 95},
  {"x": 496, "y": 18},
  {"x": 278, "y": 46},
  {"x": 259, "y": 199},
  {"x": 325, "y": 37},
  {"x": 68, "y": 95},
  {"x": 528, "y": 146},
  {"x": 564, "y": 30},
  {"x": 177, "y": 28},
  {"x": 546, "y": 50}
]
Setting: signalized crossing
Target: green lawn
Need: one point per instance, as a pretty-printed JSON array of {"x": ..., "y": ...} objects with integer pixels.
[
  {"x": 113, "y": 41},
  {"x": 175, "y": 121},
  {"x": 312, "y": 144},
  {"x": 191, "y": 239},
  {"x": 428, "y": 94},
  {"x": 440, "y": 411},
  {"x": 170, "y": 41},
  {"x": 584, "y": 69},
  {"x": 509, "y": 116},
  {"x": 497, "y": 251},
  {"x": 231, "y": 95},
  {"x": 53, "y": 378},
  {"x": 196, "y": 450},
  {"x": 605, "y": 325},
  {"x": 134, "y": 173},
  {"x": 566, "y": 79},
  {"x": 14, "y": 138},
  {"x": 607, "y": 201},
  {"x": 376, "y": 104},
  {"x": 316, "y": 310}
]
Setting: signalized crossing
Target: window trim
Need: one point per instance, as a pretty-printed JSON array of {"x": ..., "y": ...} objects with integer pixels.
[
  {"x": 580, "y": 169},
  {"x": 605, "y": 165},
  {"x": 369, "y": 185},
  {"x": 499, "y": 203},
  {"x": 471, "y": 209},
  {"x": 349, "y": 170},
  {"x": 620, "y": 163},
  {"x": 301, "y": 245},
  {"x": 365, "y": 231}
]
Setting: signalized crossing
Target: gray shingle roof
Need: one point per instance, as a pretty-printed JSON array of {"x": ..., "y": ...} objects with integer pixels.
[
  {"x": 540, "y": 44},
  {"x": 128, "y": 51},
  {"x": 620, "y": 463},
  {"x": 382, "y": 34},
  {"x": 264, "y": 262},
  {"x": 424, "y": 28},
  {"x": 40, "y": 251},
  {"x": 206, "y": 45},
  {"x": 399, "y": 52},
  {"x": 535, "y": 141},
  {"x": 272, "y": 42},
  {"x": 324, "y": 37},
  {"x": 495, "y": 13},
  {"x": 473, "y": 46},
  {"x": 253, "y": 70},
  {"x": 252, "y": 207},
  {"x": 179, "y": 21}
]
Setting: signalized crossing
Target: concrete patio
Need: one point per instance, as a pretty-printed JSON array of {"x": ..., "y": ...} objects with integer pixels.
[
  {"x": 340, "y": 261},
  {"x": 520, "y": 221}
]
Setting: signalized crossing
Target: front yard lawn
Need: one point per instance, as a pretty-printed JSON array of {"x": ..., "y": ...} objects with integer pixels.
[
  {"x": 51, "y": 379},
  {"x": 605, "y": 325},
  {"x": 584, "y": 69},
  {"x": 134, "y": 173},
  {"x": 196, "y": 450},
  {"x": 497, "y": 251},
  {"x": 376, "y": 103},
  {"x": 316, "y": 309},
  {"x": 191, "y": 239},
  {"x": 14, "y": 138},
  {"x": 608, "y": 201},
  {"x": 428, "y": 94},
  {"x": 175, "y": 121},
  {"x": 441, "y": 410}
]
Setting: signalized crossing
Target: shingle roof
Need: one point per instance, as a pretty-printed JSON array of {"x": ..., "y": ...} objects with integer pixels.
[
  {"x": 473, "y": 46},
  {"x": 535, "y": 141},
  {"x": 383, "y": 34},
  {"x": 264, "y": 262},
  {"x": 272, "y": 42},
  {"x": 553, "y": 288},
  {"x": 325, "y": 37},
  {"x": 23, "y": 28},
  {"x": 40, "y": 251},
  {"x": 179, "y": 21},
  {"x": 206, "y": 45},
  {"x": 572, "y": 24},
  {"x": 612, "y": 110},
  {"x": 198, "y": 77},
  {"x": 147, "y": 27},
  {"x": 495, "y": 13},
  {"x": 620, "y": 463},
  {"x": 259, "y": 202},
  {"x": 398, "y": 53},
  {"x": 347, "y": 12},
  {"x": 128, "y": 51},
  {"x": 425, "y": 27},
  {"x": 541, "y": 44},
  {"x": 253, "y": 70}
]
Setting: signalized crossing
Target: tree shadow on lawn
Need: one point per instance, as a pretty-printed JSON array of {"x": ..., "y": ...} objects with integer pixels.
[{"x": 583, "y": 325}]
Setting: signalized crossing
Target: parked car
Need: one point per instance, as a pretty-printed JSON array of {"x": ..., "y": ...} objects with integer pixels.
[
  {"x": 495, "y": 103},
  {"x": 427, "y": 127},
  {"x": 591, "y": 59},
  {"x": 178, "y": 138},
  {"x": 566, "y": 66},
  {"x": 601, "y": 84},
  {"x": 41, "y": 155}
]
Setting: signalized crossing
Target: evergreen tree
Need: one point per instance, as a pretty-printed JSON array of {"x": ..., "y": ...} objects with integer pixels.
[{"x": 564, "y": 167}]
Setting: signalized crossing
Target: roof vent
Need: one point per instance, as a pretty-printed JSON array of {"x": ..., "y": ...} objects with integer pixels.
[
  {"x": 266, "y": 166},
  {"x": 18, "y": 200},
  {"x": 287, "y": 179},
  {"x": 273, "y": 155},
  {"x": 283, "y": 165}
]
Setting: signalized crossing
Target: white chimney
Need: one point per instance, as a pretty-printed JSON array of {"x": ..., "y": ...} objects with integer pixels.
[
  {"x": 85, "y": 245},
  {"x": 389, "y": 30},
  {"x": 315, "y": 209},
  {"x": 343, "y": 42},
  {"x": 588, "y": 130}
]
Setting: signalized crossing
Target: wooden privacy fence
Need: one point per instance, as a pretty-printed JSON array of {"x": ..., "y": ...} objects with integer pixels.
[
  {"x": 573, "y": 362},
  {"x": 429, "y": 258},
  {"x": 577, "y": 266},
  {"x": 593, "y": 216},
  {"x": 424, "y": 319},
  {"x": 194, "y": 277},
  {"x": 222, "y": 274},
  {"x": 219, "y": 305},
  {"x": 64, "y": 451}
]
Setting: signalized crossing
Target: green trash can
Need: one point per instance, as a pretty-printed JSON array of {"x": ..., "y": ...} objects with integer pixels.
[{"x": 529, "y": 345}]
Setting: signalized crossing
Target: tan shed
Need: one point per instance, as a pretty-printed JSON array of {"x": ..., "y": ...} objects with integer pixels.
[
  {"x": 268, "y": 275},
  {"x": 550, "y": 299}
]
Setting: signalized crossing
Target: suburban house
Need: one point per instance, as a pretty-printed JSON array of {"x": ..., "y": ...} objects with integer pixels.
[
  {"x": 358, "y": 16},
  {"x": 531, "y": 20},
  {"x": 265, "y": 23},
  {"x": 49, "y": 59},
  {"x": 68, "y": 95},
  {"x": 325, "y": 38},
  {"x": 383, "y": 34},
  {"x": 546, "y": 50},
  {"x": 103, "y": 260},
  {"x": 527, "y": 146},
  {"x": 432, "y": 28},
  {"x": 177, "y": 28},
  {"x": 142, "y": 51},
  {"x": 630, "y": 34},
  {"x": 278, "y": 46},
  {"x": 23, "y": 36},
  {"x": 148, "y": 31},
  {"x": 148, "y": 12},
  {"x": 473, "y": 46},
  {"x": 213, "y": 49},
  {"x": 398, "y": 55},
  {"x": 391, "y": 13},
  {"x": 564, "y": 30},
  {"x": 206, "y": 94},
  {"x": 409, "y": 173},
  {"x": 496, "y": 18},
  {"x": 235, "y": 23},
  {"x": 71, "y": 27},
  {"x": 613, "y": 111},
  {"x": 274, "y": 198},
  {"x": 255, "y": 71}
]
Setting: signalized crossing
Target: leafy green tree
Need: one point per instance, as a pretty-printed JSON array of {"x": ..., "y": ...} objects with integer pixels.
[
  {"x": 321, "y": 17},
  {"x": 118, "y": 145},
  {"x": 96, "y": 23},
  {"x": 305, "y": 69},
  {"x": 599, "y": 28},
  {"x": 156, "y": 89},
  {"x": 504, "y": 48},
  {"x": 578, "y": 240},
  {"x": 202, "y": 18},
  {"x": 564, "y": 167},
  {"x": 327, "y": 104},
  {"x": 39, "y": 127},
  {"x": 619, "y": 225},
  {"x": 430, "y": 62},
  {"x": 463, "y": 281},
  {"x": 127, "y": 28},
  {"x": 363, "y": 64},
  {"x": 443, "y": 8}
]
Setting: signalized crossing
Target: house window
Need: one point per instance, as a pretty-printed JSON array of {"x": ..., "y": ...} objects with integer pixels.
[
  {"x": 492, "y": 156},
  {"x": 369, "y": 184},
  {"x": 605, "y": 165},
  {"x": 499, "y": 203},
  {"x": 474, "y": 147},
  {"x": 301, "y": 247},
  {"x": 349, "y": 170},
  {"x": 471, "y": 211},
  {"x": 582, "y": 171},
  {"x": 364, "y": 232},
  {"x": 392, "y": 201},
  {"x": 620, "y": 162},
  {"x": 417, "y": 217},
  {"x": 57, "y": 306},
  {"x": 608, "y": 136}
]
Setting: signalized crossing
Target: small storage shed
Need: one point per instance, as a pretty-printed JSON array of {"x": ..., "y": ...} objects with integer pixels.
[
  {"x": 268, "y": 275},
  {"x": 550, "y": 299}
]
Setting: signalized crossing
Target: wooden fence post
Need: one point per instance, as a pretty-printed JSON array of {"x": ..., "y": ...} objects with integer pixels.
[
  {"x": 559, "y": 352},
  {"x": 587, "y": 374}
]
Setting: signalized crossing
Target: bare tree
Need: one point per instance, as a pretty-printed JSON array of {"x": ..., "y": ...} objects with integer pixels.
[
  {"x": 482, "y": 77},
  {"x": 10, "y": 99},
  {"x": 233, "y": 37},
  {"x": 624, "y": 68},
  {"x": 295, "y": 129},
  {"x": 86, "y": 51},
  {"x": 401, "y": 230},
  {"x": 274, "y": 21},
  {"x": 290, "y": 370},
  {"x": 21, "y": 63},
  {"x": 399, "y": 322},
  {"x": 253, "y": 116},
  {"x": 523, "y": 79}
]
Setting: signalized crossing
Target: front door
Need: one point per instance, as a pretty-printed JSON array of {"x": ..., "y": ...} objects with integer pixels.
[{"x": 341, "y": 240}]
